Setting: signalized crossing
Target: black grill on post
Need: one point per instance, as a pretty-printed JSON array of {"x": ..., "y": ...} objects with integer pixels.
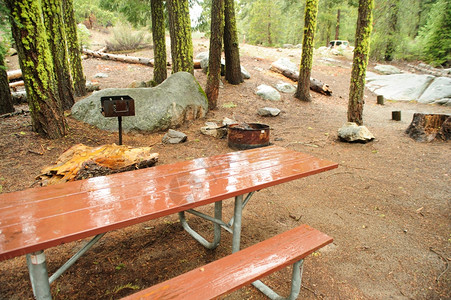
[{"x": 118, "y": 106}]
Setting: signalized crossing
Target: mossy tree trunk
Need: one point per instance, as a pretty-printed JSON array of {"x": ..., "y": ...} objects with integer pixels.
[
  {"x": 159, "y": 41},
  {"x": 360, "y": 61},
  {"x": 214, "y": 62},
  {"x": 231, "y": 45},
  {"x": 303, "y": 89},
  {"x": 6, "y": 101},
  {"x": 73, "y": 47},
  {"x": 180, "y": 31},
  {"x": 37, "y": 68},
  {"x": 53, "y": 21}
]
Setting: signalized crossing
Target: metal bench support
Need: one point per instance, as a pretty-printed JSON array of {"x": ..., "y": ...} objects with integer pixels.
[
  {"x": 233, "y": 226},
  {"x": 296, "y": 282}
]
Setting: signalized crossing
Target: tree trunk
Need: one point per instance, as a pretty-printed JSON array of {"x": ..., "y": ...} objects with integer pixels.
[
  {"x": 159, "y": 41},
  {"x": 337, "y": 26},
  {"x": 73, "y": 47},
  {"x": 53, "y": 22},
  {"x": 214, "y": 62},
  {"x": 6, "y": 101},
  {"x": 303, "y": 89},
  {"x": 392, "y": 30},
  {"x": 180, "y": 30},
  {"x": 360, "y": 61},
  {"x": 37, "y": 68},
  {"x": 231, "y": 45}
]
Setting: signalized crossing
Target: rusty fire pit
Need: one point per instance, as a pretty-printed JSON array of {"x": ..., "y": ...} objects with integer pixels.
[{"x": 248, "y": 135}]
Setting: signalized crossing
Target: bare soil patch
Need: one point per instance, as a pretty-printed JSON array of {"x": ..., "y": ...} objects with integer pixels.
[{"x": 387, "y": 205}]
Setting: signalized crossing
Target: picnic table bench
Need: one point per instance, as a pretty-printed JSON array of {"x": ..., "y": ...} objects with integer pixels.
[{"x": 36, "y": 219}]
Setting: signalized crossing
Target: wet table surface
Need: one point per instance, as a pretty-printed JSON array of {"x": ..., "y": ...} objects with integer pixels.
[{"x": 39, "y": 218}]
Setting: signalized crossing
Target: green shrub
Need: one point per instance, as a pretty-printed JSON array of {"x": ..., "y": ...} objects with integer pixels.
[
  {"x": 83, "y": 35},
  {"x": 126, "y": 38}
]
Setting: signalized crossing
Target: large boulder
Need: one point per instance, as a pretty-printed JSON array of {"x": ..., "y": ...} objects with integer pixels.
[
  {"x": 387, "y": 69},
  {"x": 439, "y": 91},
  {"x": 178, "y": 99},
  {"x": 284, "y": 64}
]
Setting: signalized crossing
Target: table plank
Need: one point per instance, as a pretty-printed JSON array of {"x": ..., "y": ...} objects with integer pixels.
[{"x": 40, "y": 218}]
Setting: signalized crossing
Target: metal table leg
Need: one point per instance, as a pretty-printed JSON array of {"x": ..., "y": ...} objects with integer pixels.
[{"x": 39, "y": 277}]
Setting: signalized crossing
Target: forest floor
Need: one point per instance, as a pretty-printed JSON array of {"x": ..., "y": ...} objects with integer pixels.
[{"x": 387, "y": 206}]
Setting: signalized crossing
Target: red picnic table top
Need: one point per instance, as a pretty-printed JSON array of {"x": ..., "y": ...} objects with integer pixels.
[{"x": 40, "y": 218}]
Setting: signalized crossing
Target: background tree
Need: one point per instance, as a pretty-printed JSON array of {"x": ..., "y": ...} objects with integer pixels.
[
  {"x": 6, "y": 102},
  {"x": 180, "y": 31},
  {"x": 303, "y": 89},
  {"x": 265, "y": 23},
  {"x": 56, "y": 38},
  {"x": 214, "y": 62},
  {"x": 231, "y": 45},
  {"x": 360, "y": 61},
  {"x": 73, "y": 48},
  {"x": 159, "y": 42},
  {"x": 37, "y": 68}
]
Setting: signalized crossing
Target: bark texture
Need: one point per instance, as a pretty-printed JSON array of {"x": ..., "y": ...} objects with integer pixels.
[
  {"x": 159, "y": 42},
  {"x": 231, "y": 45},
  {"x": 6, "y": 101},
  {"x": 37, "y": 68},
  {"x": 53, "y": 21},
  {"x": 214, "y": 62},
  {"x": 303, "y": 89},
  {"x": 73, "y": 48},
  {"x": 360, "y": 61},
  {"x": 180, "y": 31}
]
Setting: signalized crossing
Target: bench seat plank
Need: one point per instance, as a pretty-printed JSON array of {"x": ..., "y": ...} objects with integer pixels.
[
  {"x": 241, "y": 268},
  {"x": 40, "y": 218}
]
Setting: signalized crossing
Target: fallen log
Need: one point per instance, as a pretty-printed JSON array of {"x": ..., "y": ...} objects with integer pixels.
[
  {"x": 19, "y": 97},
  {"x": 427, "y": 127},
  {"x": 14, "y": 74},
  {"x": 122, "y": 58},
  {"x": 315, "y": 84},
  {"x": 15, "y": 84},
  {"x": 81, "y": 162}
]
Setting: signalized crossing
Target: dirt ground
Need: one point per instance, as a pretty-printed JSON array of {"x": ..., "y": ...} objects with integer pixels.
[{"x": 387, "y": 206}]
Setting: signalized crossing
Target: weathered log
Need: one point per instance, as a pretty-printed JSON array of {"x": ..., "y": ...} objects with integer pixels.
[
  {"x": 81, "y": 162},
  {"x": 427, "y": 127},
  {"x": 19, "y": 97},
  {"x": 14, "y": 74},
  {"x": 122, "y": 58},
  {"x": 315, "y": 84},
  {"x": 197, "y": 64}
]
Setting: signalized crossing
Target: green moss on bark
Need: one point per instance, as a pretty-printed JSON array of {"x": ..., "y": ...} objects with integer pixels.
[{"x": 159, "y": 41}]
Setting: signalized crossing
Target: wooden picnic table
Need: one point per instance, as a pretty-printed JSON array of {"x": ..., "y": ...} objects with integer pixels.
[{"x": 35, "y": 219}]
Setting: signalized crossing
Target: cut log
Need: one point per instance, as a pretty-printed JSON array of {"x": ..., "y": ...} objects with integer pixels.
[
  {"x": 14, "y": 74},
  {"x": 122, "y": 58},
  {"x": 19, "y": 97},
  {"x": 427, "y": 127},
  {"x": 315, "y": 84},
  {"x": 81, "y": 162}
]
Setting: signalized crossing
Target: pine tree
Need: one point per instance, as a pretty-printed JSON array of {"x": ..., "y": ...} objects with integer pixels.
[
  {"x": 159, "y": 42},
  {"x": 73, "y": 48},
  {"x": 360, "y": 61},
  {"x": 214, "y": 62},
  {"x": 6, "y": 102},
  {"x": 53, "y": 21},
  {"x": 180, "y": 30},
  {"x": 231, "y": 45},
  {"x": 303, "y": 89},
  {"x": 37, "y": 68}
]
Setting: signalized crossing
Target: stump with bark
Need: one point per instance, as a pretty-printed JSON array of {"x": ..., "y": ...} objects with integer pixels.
[
  {"x": 427, "y": 127},
  {"x": 81, "y": 162}
]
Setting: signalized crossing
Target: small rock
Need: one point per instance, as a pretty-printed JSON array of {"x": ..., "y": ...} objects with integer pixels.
[
  {"x": 92, "y": 86},
  {"x": 228, "y": 121},
  {"x": 285, "y": 87},
  {"x": 245, "y": 73},
  {"x": 268, "y": 112},
  {"x": 202, "y": 55},
  {"x": 174, "y": 137},
  {"x": 212, "y": 129},
  {"x": 137, "y": 84},
  {"x": 351, "y": 132},
  {"x": 101, "y": 75},
  {"x": 267, "y": 92}
]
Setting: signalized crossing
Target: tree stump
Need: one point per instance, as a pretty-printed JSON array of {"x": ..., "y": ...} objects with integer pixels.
[
  {"x": 427, "y": 127},
  {"x": 81, "y": 162}
]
